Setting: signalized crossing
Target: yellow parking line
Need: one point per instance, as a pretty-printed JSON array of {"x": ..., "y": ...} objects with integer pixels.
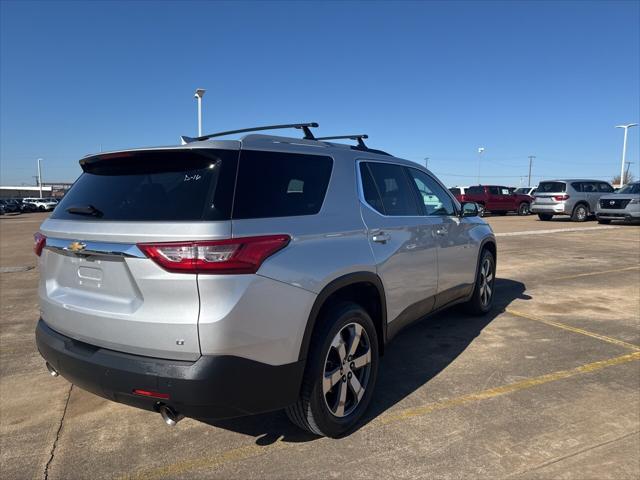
[
  {"x": 604, "y": 338},
  {"x": 252, "y": 451},
  {"x": 505, "y": 389},
  {"x": 602, "y": 272}
]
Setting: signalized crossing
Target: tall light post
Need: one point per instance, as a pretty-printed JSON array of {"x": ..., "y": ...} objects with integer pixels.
[
  {"x": 624, "y": 149},
  {"x": 40, "y": 177},
  {"x": 199, "y": 94},
  {"x": 480, "y": 152}
]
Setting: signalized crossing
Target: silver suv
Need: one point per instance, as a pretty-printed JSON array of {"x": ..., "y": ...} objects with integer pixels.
[
  {"x": 223, "y": 278},
  {"x": 622, "y": 205},
  {"x": 577, "y": 198}
]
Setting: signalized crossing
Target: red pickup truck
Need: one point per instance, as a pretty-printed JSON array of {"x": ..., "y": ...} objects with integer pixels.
[{"x": 496, "y": 199}]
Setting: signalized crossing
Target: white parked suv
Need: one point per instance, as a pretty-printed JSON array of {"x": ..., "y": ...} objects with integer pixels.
[{"x": 222, "y": 278}]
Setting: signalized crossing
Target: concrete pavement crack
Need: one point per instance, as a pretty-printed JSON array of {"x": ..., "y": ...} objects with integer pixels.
[{"x": 55, "y": 440}]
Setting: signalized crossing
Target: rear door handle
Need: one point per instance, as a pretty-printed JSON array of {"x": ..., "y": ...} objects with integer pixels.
[{"x": 381, "y": 237}]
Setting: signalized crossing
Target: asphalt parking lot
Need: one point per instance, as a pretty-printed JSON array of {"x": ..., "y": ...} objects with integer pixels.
[{"x": 546, "y": 386}]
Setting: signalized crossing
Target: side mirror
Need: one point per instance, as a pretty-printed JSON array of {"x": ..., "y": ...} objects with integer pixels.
[{"x": 469, "y": 209}]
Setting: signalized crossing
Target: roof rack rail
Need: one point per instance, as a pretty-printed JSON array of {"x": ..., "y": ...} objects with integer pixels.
[
  {"x": 305, "y": 127},
  {"x": 359, "y": 138}
]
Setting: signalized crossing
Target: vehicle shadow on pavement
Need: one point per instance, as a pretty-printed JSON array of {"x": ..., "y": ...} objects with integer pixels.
[{"x": 414, "y": 357}]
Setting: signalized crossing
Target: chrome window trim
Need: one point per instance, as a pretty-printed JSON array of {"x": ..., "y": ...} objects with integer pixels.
[{"x": 91, "y": 248}]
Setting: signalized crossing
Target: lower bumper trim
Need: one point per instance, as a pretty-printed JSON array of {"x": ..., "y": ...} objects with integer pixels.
[{"x": 211, "y": 387}]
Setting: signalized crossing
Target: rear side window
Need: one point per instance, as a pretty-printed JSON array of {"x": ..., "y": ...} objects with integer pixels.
[
  {"x": 275, "y": 184},
  {"x": 397, "y": 197},
  {"x": 551, "y": 187},
  {"x": 589, "y": 187},
  {"x": 153, "y": 185},
  {"x": 605, "y": 187}
]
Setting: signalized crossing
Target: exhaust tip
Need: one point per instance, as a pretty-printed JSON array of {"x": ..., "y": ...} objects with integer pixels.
[
  {"x": 52, "y": 371},
  {"x": 169, "y": 415}
]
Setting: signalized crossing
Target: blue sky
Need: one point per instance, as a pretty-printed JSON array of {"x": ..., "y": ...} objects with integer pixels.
[{"x": 436, "y": 79}]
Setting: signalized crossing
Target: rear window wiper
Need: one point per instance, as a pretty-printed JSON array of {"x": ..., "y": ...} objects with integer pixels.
[{"x": 85, "y": 210}]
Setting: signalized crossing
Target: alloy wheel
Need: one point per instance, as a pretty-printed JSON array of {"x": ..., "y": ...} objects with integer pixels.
[
  {"x": 347, "y": 369},
  {"x": 486, "y": 282}
]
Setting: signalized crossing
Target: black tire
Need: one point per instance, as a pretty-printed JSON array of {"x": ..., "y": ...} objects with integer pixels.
[
  {"x": 523, "y": 209},
  {"x": 604, "y": 221},
  {"x": 479, "y": 304},
  {"x": 580, "y": 213},
  {"x": 545, "y": 217},
  {"x": 311, "y": 412}
]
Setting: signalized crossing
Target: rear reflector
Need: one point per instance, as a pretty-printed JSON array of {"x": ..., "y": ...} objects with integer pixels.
[
  {"x": 149, "y": 393},
  {"x": 235, "y": 255},
  {"x": 39, "y": 241}
]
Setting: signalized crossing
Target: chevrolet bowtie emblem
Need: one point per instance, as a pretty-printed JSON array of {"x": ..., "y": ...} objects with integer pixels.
[{"x": 76, "y": 246}]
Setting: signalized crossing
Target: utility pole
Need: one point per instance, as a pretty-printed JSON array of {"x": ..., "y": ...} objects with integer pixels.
[
  {"x": 531, "y": 157},
  {"x": 426, "y": 163},
  {"x": 626, "y": 175}
]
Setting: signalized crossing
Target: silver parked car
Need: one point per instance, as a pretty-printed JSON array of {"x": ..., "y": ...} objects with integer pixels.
[
  {"x": 223, "y": 278},
  {"x": 576, "y": 198},
  {"x": 622, "y": 205}
]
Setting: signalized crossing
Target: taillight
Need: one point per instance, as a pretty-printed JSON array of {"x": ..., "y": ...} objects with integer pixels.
[
  {"x": 39, "y": 241},
  {"x": 235, "y": 255},
  {"x": 561, "y": 198}
]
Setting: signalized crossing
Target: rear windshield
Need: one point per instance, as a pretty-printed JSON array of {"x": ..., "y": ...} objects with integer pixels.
[
  {"x": 475, "y": 190},
  {"x": 551, "y": 187},
  {"x": 160, "y": 185},
  {"x": 191, "y": 185}
]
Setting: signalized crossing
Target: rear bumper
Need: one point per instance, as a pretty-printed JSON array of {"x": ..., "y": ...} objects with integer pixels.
[
  {"x": 554, "y": 209},
  {"x": 210, "y": 387}
]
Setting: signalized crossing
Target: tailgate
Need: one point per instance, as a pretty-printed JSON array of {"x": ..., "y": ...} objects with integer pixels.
[{"x": 115, "y": 298}]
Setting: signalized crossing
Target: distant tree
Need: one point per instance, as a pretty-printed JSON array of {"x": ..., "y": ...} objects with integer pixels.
[{"x": 628, "y": 178}]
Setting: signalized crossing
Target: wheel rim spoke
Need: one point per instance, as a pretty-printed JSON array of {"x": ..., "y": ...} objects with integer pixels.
[
  {"x": 356, "y": 387},
  {"x": 342, "y": 400},
  {"x": 330, "y": 379},
  {"x": 340, "y": 347},
  {"x": 362, "y": 360},
  {"x": 355, "y": 340}
]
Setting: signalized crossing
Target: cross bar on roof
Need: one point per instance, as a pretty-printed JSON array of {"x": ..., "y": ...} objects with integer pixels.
[
  {"x": 305, "y": 127},
  {"x": 359, "y": 138}
]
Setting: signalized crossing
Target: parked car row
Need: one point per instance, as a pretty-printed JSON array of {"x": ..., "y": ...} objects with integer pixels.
[
  {"x": 27, "y": 205},
  {"x": 579, "y": 199}
]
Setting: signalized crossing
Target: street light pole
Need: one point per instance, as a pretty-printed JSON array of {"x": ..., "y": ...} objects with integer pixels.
[
  {"x": 624, "y": 149},
  {"x": 531, "y": 157},
  {"x": 199, "y": 94},
  {"x": 40, "y": 177},
  {"x": 480, "y": 152}
]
